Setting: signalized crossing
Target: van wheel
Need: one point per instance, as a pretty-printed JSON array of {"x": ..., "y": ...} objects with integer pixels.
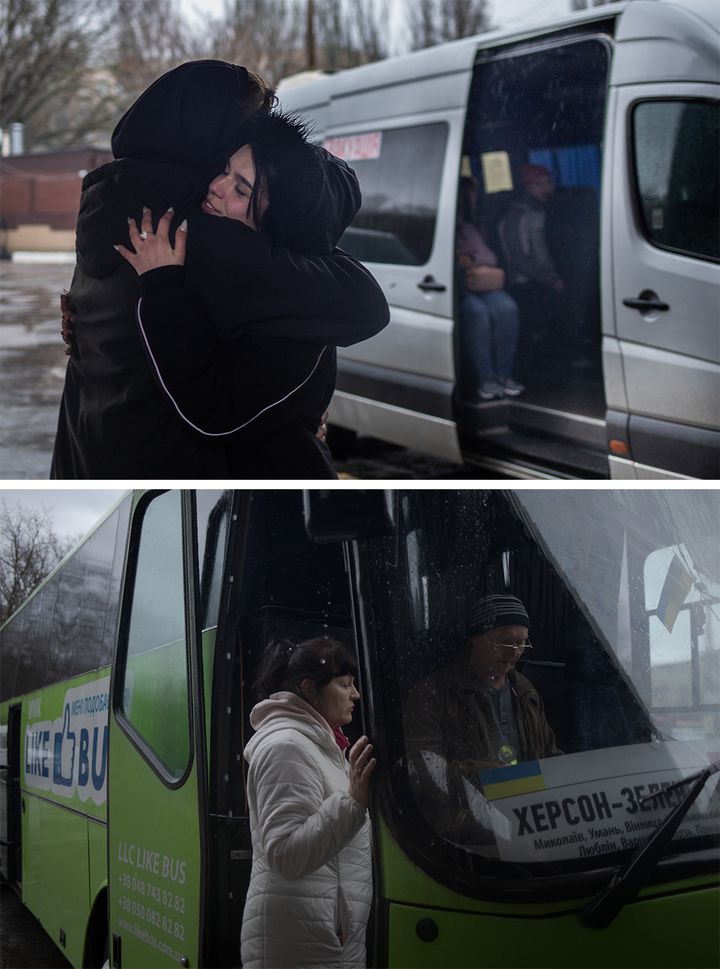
[{"x": 341, "y": 441}]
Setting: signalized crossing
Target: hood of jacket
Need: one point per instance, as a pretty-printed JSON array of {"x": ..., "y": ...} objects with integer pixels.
[
  {"x": 283, "y": 711},
  {"x": 167, "y": 146},
  {"x": 193, "y": 115}
]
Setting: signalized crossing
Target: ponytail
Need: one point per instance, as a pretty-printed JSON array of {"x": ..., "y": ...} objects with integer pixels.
[{"x": 286, "y": 664}]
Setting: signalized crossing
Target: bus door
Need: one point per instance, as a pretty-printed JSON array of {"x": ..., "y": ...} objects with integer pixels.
[
  {"x": 278, "y": 584},
  {"x": 156, "y": 791},
  {"x": 11, "y": 803}
]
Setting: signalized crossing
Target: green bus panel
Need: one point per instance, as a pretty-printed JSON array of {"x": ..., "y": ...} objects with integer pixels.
[
  {"x": 55, "y": 872},
  {"x": 154, "y": 873},
  {"x": 676, "y": 930},
  {"x": 97, "y": 854}
]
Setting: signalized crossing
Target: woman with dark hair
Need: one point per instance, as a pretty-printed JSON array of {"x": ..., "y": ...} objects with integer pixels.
[
  {"x": 311, "y": 881},
  {"x": 275, "y": 184}
]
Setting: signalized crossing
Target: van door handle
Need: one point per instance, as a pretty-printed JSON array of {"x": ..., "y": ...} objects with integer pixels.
[
  {"x": 431, "y": 285},
  {"x": 647, "y": 300}
]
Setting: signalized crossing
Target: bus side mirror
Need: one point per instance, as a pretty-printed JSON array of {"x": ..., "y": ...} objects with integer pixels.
[{"x": 341, "y": 516}]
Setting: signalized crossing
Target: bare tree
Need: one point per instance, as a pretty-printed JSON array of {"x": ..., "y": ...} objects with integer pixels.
[
  {"x": 70, "y": 68},
  {"x": 47, "y": 48},
  {"x": 435, "y": 21},
  {"x": 281, "y": 37},
  {"x": 29, "y": 550},
  {"x": 267, "y": 36},
  {"x": 351, "y": 33},
  {"x": 148, "y": 40}
]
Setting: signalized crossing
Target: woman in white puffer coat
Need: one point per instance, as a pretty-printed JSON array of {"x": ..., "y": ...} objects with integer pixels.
[{"x": 311, "y": 882}]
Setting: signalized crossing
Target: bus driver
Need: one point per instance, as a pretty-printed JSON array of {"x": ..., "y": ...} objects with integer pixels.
[{"x": 476, "y": 713}]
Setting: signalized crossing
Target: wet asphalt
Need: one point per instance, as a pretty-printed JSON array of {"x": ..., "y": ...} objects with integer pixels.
[
  {"x": 32, "y": 365},
  {"x": 24, "y": 944},
  {"x": 32, "y": 368}
]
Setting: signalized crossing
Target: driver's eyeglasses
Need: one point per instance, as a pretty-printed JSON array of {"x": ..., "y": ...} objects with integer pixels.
[{"x": 517, "y": 649}]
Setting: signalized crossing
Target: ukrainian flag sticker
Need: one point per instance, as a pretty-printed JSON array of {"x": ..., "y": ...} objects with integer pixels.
[{"x": 525, "y": 778}]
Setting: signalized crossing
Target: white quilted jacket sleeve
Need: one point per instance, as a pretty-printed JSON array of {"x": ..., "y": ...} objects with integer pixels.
[{"x": 299, "y": 827}]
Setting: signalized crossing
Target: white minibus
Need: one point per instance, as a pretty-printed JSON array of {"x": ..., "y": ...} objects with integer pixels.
[{"x": 620, "y": 360}]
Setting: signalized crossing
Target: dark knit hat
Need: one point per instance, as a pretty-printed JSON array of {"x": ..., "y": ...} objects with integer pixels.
[{"x": 493, "y": 611}]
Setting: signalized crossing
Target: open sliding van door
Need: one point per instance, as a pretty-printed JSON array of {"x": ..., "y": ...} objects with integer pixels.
[
  {"x": 661, "y": 244},
  {"x": 156, "y": 794}
]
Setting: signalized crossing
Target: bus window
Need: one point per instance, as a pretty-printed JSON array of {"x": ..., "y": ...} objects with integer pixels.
[
  {"x": 676, "y": 147},
  {"x": 683, "y": 634},
  {"x": 396, "y": 223},
  {"x": 155, "y": 687},
  {"x": 55, "y": 635},
  {"x": 597, "y": 572}
]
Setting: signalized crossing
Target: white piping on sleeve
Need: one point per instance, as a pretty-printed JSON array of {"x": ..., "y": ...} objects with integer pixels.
[{"x": 187, "y": 420}]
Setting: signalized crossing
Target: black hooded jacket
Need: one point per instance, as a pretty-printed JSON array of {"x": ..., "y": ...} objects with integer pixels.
[{"x": 274, "y": 309}]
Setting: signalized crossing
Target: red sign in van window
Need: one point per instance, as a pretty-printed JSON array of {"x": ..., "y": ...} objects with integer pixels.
[{"x": 355, "y": 147}]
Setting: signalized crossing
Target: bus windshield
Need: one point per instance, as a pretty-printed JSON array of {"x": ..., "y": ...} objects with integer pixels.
[{"x": 555, "y": 754}]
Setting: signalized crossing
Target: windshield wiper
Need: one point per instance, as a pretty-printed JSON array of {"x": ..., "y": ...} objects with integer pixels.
[{"x": 627, "y": 881}]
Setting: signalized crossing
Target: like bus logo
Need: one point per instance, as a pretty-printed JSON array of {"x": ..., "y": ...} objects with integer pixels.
[
  {"x": 64, "y": 753},
  {"x": 68, "y": 756}
]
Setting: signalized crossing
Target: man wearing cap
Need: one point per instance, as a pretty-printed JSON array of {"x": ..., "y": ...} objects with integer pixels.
[
  {"x": 522, "y": 232},
  {"x": 547, "y": 311},
  {"x": 476, "y": 713}
]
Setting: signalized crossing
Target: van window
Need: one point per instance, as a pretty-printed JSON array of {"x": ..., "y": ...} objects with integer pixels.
[
  {"x": 676, "y": 146},
  {"x": 400, "y": 184}
]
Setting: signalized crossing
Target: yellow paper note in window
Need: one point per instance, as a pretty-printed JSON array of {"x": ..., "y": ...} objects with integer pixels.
[{"x": 496, "y": 171}]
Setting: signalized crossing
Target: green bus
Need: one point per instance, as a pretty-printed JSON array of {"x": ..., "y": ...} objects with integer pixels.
[{"x": 127, "y": 684}]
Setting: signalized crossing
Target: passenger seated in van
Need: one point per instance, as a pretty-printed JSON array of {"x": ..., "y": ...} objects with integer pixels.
[
  {"x": 488, "y": 315},
  {"x": 476, "y": 713},
  {"x": 532, "y": 277}
]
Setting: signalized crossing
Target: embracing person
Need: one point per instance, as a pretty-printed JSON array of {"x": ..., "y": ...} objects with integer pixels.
[
  {"x": 281, "y": 185},
  {"x": 272, "y": 308}
]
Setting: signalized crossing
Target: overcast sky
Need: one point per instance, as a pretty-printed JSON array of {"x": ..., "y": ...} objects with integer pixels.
[{"x": 73, "y": 513}]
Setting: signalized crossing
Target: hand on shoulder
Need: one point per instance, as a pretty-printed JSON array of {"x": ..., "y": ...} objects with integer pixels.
[{"x": 151, "y": 250}]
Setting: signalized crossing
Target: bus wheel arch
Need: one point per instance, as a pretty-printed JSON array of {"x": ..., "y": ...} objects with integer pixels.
[{"x": 96, "y": 936}]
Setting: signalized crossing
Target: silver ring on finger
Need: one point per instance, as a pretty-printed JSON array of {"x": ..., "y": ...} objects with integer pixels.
[{"x": 143, "y": 235}]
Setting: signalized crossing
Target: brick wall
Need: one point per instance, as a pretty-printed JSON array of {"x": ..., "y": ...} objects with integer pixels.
[{"x": 44, "y": 189}]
